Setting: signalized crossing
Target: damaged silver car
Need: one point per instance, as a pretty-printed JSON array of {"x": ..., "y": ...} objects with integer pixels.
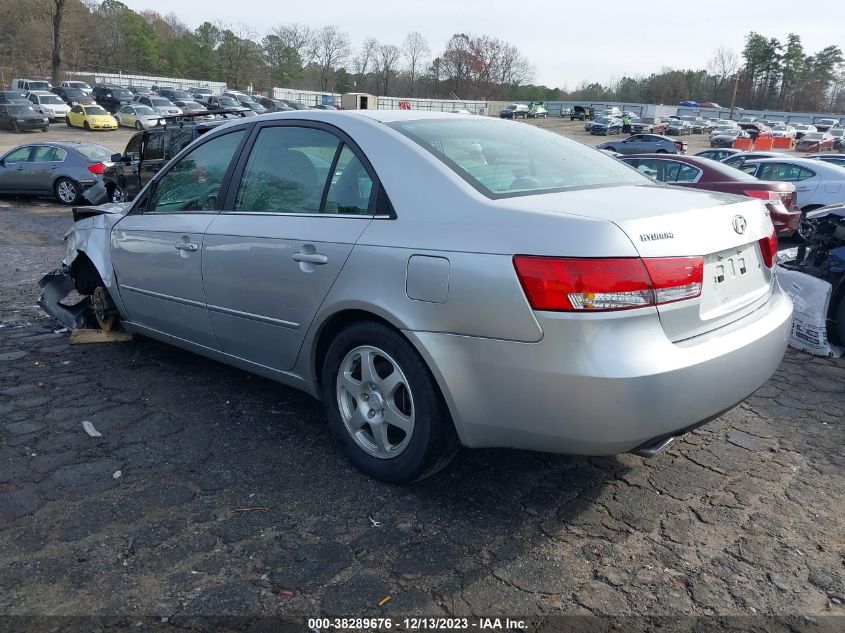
[{"x": 438, "y": 280}]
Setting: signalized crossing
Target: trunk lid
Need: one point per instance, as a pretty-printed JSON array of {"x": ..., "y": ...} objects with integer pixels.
[{"x": 664, "y": 221}]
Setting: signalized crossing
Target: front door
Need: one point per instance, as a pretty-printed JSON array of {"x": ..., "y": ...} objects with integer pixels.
[
  {"x": 152, "y": 156},
  {"x": 288, "y": 227},
  {"x": 157, "y": 251},
  {"x": 14, "y": 170}
]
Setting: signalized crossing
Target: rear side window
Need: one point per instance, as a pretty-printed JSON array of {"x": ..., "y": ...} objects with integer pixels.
[
  {"x": 290, "y": 169},
  {"x": 49, "y": 154},
  {"x": 194, "y": 182}
]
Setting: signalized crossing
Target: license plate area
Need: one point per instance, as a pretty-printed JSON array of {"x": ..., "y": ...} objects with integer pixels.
[{"x": 733, "y": 278}]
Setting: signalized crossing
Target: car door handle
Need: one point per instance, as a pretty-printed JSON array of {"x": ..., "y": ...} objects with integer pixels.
[
  {"x": 186, "y": 246},
  {"x": 310, "y": 258}
]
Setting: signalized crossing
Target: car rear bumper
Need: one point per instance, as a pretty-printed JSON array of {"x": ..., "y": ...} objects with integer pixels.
[{"x": 601, "y": 384}]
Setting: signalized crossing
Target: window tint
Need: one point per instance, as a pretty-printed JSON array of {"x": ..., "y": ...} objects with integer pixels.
[
  {"x": 193, "y": 183},
  {"x": 680, "y": 172},
  {"x": 20, "y": 155},
  {"x": 785, "y": 172},
  {"x": 46, "y": 154},
  {"x": 154, "y": 147},
  {"x": 287, "y": 171},
  {"x": 351, "y": 186},
  {"x": 134, "y": 145},
  {"x": 500, "y": 159}
]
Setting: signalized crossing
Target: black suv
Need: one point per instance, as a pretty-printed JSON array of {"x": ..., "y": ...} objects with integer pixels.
[
  {"x": 111, "y": 97},
  {"x": 146, "y": 153}
]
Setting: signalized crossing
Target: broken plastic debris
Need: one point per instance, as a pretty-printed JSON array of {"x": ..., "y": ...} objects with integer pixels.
[
  {"x": 60, "y": 331},
  {"x": 384, "y": 601},
  {"x": 287, "y": 593},
  {"x": 90, "y": 430},
  {"x": 374, "y": 522},
  {"x": 116, "y": 474}
]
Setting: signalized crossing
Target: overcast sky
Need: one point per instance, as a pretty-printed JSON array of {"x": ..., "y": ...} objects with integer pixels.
[{"x": 567, "y": 41}]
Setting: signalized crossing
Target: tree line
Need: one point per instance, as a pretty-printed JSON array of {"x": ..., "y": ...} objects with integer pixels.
[{"x": 52, "y": 36}]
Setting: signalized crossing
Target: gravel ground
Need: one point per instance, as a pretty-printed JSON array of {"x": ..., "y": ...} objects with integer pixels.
[{"x": 212, "y": 492}]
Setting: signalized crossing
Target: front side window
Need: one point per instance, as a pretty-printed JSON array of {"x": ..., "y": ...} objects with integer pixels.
[
  {"x": 20, "y": 155},
  {"x": 194, "y": 182},
  {"x": 502, "y": 160},
  {"x": 154, "y": 147},
  {"x": 133, "y": 147}
]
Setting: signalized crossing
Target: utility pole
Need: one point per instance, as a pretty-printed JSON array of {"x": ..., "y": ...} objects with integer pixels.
[{"x": 733, "y": 98}]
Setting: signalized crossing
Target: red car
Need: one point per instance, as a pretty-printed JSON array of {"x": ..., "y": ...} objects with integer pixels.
[
  {"x": 650, "y": 125},
  {"x": 702, "y": 173},
  {"x": 815, "y": 142}
]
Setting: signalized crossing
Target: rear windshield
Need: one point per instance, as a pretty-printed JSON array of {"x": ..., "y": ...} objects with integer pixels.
[
  {"x": 160, "y": 102},
  {"x": 38, "y": 85},
  {"x": 501, "y": 159},
  {"x": 814, "y": 136},
  {"x": 51, "y": 99},
  {"x": 94, "y": 110},
  {"x": 95, "y": 152}
]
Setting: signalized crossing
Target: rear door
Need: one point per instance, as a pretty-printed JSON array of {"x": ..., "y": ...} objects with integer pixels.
[
  {"x": 157, "y": 248},
  {"x": 304, "y": 195},
  {"x": 806, "y": 181},
  {"x": 45, "y": 162}
]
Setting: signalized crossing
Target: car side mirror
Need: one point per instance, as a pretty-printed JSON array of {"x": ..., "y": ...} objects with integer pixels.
[{"x": 116, "y": 158}]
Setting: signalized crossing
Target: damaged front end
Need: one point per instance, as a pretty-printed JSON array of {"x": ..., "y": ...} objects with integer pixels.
[{"x": 85, "y": 270}]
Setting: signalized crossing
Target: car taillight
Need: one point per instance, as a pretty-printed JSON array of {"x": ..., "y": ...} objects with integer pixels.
[
  {"x": 97, "y": 169},
  {"x": 762, "y": 194},
  {"x": 595, "y": 285},
  {"x": 769, "y": 248}
]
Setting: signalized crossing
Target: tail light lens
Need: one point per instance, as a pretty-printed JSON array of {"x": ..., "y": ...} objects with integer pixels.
[
  {"x": 97, "y": 169},
  {"x": 596, "y": 285},
  {"x": 769, "y": 248},
  {"x": 762, "y": 194}
]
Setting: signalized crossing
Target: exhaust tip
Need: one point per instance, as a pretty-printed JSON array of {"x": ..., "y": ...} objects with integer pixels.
[{"x": 653, "y": 447}]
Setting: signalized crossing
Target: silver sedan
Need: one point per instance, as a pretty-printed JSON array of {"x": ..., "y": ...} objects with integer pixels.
[
  {"x": 439, "y": 280},
  {"x": 140, "y": 117}
]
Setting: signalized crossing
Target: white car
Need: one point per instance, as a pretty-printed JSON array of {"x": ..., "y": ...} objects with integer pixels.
[
  {"x": 140, "y": 117},
  {"x": 79, "y": 85},
  {"x": 48, "y": 104},
  {"x": 783, "y": 131},
  {"x": 160, "y": 105},
  {"x": 200, "y": 95},
  {"x": 817, "y": 183}
]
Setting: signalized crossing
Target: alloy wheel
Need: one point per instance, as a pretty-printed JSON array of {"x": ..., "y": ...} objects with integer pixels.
[
  {"x": 66, "y": 191},
  {"x": 375, "y": 402}
]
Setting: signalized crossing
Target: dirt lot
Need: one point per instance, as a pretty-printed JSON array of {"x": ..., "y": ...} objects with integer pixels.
[{"x": 212, "y": 491}]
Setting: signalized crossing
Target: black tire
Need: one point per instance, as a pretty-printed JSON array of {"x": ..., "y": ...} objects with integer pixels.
[
  {"x": 139, "y": 126},
  {"x": 64, "y": 185},
  {"x": 661, "y": 151},
  {"x": 86, "y": 126},
  {"x": 67, "y": 121},
  {"x": 45, "y": 128},
  {"x": 433, "y": 440},
  {"x": 15, "y": 128}
]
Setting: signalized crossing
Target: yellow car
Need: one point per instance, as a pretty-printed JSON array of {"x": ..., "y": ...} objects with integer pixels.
[{"x": 90, "y": 117}]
